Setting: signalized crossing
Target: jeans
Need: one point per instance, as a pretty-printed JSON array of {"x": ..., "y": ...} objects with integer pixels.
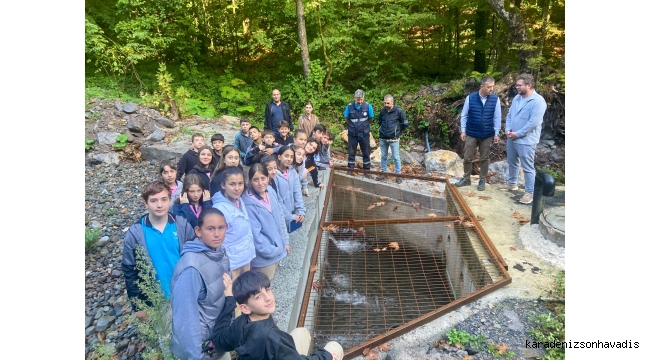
[
  {"x": 526, "y": 155},
  {"x": 364, "y": 143},
  {"x": 394, "y": 151}
]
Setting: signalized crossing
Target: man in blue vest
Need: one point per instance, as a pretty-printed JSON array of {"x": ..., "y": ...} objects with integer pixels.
[
  {"x": 480, "y": 123},
  {"x": 358, "y": 115}
]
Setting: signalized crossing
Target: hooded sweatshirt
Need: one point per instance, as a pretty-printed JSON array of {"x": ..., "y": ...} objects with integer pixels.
[
  {"x": 257, "y": 340},
  {"x": 289, "y": 191},
  {"x": 268, "y": 228},
  {"x": 239, "y": 239},
  {"x": 197, "y": 297}
]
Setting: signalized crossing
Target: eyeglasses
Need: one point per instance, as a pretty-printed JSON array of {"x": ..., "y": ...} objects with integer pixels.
[{"x": 520, "y": 85}]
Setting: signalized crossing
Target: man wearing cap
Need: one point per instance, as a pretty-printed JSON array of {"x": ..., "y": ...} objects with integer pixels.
[
  {"x": 358, "y": 115},
  {"x": 480, "y": 123}
]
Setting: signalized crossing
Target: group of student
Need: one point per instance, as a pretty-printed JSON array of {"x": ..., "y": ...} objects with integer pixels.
[{"x": 218, "y": 236}]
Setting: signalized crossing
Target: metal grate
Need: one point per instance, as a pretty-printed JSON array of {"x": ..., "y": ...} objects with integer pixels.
[{"x": 390, "y": 257}]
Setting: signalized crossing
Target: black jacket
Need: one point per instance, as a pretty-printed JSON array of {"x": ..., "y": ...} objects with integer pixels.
[
  {"x": 186, "y": 163},
  {"x": 256, "y": 340},
  {"x": 203, "y": 174},
  {"x": 392, "y": 123},
  {"x": 268, "y": 119}
]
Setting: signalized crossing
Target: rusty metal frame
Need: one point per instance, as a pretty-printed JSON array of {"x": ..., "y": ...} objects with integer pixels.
[{"x": 415, "y": 323}]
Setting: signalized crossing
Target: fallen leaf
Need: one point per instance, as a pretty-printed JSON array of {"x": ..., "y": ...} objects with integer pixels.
[
  {"x": 330, "y": 228},
  {"x": 385, "y": 347},
  {"x": 316, "y": 285},
  {"x": 501, "y": 348},
  {"x": 372, "y": 355},
  {"x": 376, "y": 250},
  {"x": 468, "y": 224},
  {"x": 516, "y": 214},
  {"x": 384, "y": 249},
  {"x": 313, "y": 268},
  {"x": 480, "y": 218},
  {"x": 123, "y": 211},
  {"x": 381, "y": 203},
  {"x": 100, "y": 337},
  {"x": 467, "y": 357},
  {"x": 349, "y": 187},
  {"x": 393, "y": 245},
  {"x": 358, "y": 189},
  {"x": 523, "y": 221},
  {"x": 469, "y": 193},
  {"x": 366, "y": 351},
  {"x": 416, "y": 206},
  {"x": 448, "y": 225},
  {"x": 141, "y": 315},
  {"x": 442, "y": 160},
  {"x": 513, "y": 249},
  {"x": 431, "y": 215},
  {"x": 383, "y": 197},
  {"x": 491, "y": 306},
  {"x": 484, "y": 197},
  {"x": 372, "y": 206},
  {"x": 395, "y": 208}
]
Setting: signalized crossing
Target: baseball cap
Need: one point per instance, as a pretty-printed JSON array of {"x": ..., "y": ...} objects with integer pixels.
[{"x": 359, "y": 93}]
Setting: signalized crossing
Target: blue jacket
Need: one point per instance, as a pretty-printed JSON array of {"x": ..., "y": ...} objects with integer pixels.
[
  {"x": 525, "y": 118},
  {"x": 239, "y": 239},
  {"x": 193, "y": 313},
  {"x": 185, "y": 211},
  {"x": 481, "y": 120},
  {"x": 269, "y": 229},
  {"x": 242, "y": 143},
  {"x": 290, "y": 192},
  {"x": 392, "y": 123}
]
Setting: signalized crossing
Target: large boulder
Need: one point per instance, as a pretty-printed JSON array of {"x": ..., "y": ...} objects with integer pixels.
[
  {"x": 107, "y": 138},
  {"x": 105, "y": 158},
  {"x": 163, "y": 121},
  {"x": 344, "y": 136},
  {"x": 162, "y": 151},
  {"x": 444, "y": 162},
  {"x": 407, "y": 158},
  {"x": 417, "y": 156},
  {"x": 499, "y": 170},
  {"x": 375, "y": 156}
]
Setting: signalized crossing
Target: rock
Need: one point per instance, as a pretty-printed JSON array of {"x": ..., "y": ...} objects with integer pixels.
[
  {"x": 515, "y": 323},
  {"x": 104, "y": 322},
  {"x": 94, "y": 224},
  {"x": 233, "y": 120},
  {"x": 120, "y": 301},
  {"x": 558, "y": 154},
  {"x": 161, "y": 151},
  {"x": 90, "y": 330},
  {"x": 130, "y": 351},
  {"x": 135, "y": 124},
  {"x": 107, "y": 138},
  {"x": 89, "y": 321},
  {"x": 500, "y": 168},
  {"x": 130, "y": 108},
  {"x": 129, "y": 136},
  {"x": 118, "y": 106},
  {"x": 116, "y": 273},
  {"x": 375, "y": 156},
  {"x": 542, "y": 155},
  {"x": 417, "y": 148},
  {"x": 444, "y": 162},
  {"x": 103, "y": 241},
  {"x": 104, "y": 252},
  {"x": 118, "y": 311},
  {"x": 163, "y": 121},
  {"x": 157, "y": 135},
  {"x": 417, "y": 156},
  {"x": 122, "y": 345},
  {"x": 105, "y": 158},
  {"x": 406, "y": 158},
  {"x": 532, "y": 353},
  {"x": 344, "y": 135}
]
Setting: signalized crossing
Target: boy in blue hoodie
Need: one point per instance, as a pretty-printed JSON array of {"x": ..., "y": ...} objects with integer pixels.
[
  {"x": 243, "y": 138},
  {"x": 198, "y": 290}
]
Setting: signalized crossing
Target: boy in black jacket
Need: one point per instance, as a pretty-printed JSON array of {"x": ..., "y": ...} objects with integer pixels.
[
  {"x": 191, "y": 157},
  {"x": 254, "y": 335}
]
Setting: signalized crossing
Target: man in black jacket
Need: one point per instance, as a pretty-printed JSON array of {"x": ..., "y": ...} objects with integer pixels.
[
  {"x": 276, "y": 110},
  {"x": 254, "y": 335},
  {"x": 392, "y": 121}
]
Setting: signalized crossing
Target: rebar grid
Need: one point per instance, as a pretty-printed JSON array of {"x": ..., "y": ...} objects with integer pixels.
[{"x": 389, "y": 258}]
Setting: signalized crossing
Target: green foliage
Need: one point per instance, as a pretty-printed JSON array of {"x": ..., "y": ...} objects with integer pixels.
[
  {"x": 551, "y": 327},
  {"x": 104, "y": 351},
  {"x": 235, "y": 100},
  {"x": 163, "y": 97},
  {"x": 110, "y": 212},
  {"x": 456, "y": 89},
  {"x": 200, "y": 108},
  {"x": 91, "y": 238},
  {"x": 155, "y": 331},
  {"x": 90, "y": 144},
  {"x": 120, "y": 141},
  {"x": 464, "y": 338}
]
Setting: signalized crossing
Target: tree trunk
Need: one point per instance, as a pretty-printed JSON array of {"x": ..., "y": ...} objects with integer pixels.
[
  {"x": 480, "y": 34},
  {"x": 511, "y": 15},
  {"x": 302, "y": 38}
]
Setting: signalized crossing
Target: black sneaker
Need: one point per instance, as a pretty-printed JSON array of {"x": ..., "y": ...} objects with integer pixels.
[
  {"x": 481, "y": 185},
  {"x": 398, "y": 180},
  {"x": 463, "y": 182}
]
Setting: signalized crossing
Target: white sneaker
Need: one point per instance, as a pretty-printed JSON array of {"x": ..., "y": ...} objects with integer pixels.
[
  {"x": 527, "y": 198},
  {"x": 507, "y": 187}
]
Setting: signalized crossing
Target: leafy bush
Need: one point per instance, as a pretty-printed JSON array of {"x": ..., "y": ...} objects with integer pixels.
[
  {"x": 156, "y": 329},
  {"x": 91, "y": 238},
  {"x": 120, "y": 141},
  {"x": 90, "y": 144}
]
